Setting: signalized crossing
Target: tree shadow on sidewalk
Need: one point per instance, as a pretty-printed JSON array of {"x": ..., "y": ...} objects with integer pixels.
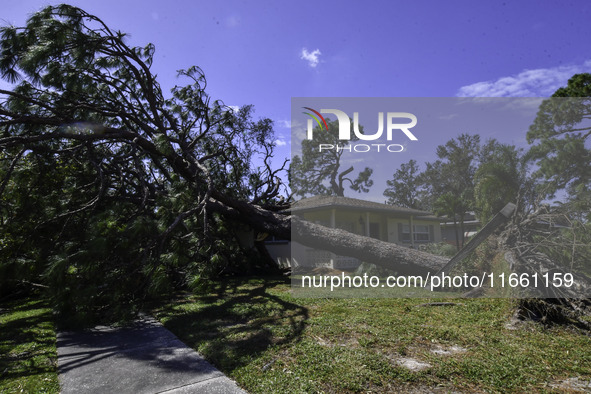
[{"x": 236, "y": 322}]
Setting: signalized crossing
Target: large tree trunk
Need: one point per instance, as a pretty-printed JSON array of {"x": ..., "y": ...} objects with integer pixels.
[{"x": 385, "y": 254}]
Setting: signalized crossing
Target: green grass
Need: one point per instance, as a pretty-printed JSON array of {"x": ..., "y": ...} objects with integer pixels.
[
  {"x": 28, "y": 358},
  {"x": 269, "y": 341}
]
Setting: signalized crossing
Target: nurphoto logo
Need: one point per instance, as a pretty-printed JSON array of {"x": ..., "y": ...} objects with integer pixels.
[
  {"x": 345, "y": 124},
  {"x": 393, "y": 125}
]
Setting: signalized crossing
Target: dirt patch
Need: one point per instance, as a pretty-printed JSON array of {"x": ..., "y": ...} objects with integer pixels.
[
  {"x": 412, "y": 364},
  {"x": 448, "y": 351},
  {"x": 573, "y": 385}
]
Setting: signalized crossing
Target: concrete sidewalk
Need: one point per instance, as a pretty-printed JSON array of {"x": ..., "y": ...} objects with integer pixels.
[{"x": 142, "y": 358}]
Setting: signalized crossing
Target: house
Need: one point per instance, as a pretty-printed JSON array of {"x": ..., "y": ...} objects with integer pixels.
[
  {"x": 471, "y": 226},
  {"x": 390, "y": 223}
]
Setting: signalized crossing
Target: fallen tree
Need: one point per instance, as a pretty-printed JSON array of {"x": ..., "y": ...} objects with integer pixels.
[{"x": 104, "y": 176}]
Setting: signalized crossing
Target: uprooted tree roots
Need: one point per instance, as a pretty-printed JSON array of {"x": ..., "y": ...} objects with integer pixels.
[
  {"x": 548, "y": 311},
  {"x": 548, "y": 241}
]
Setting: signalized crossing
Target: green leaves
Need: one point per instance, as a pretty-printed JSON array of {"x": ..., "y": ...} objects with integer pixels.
[
  {"x": 404, "y": 189},
  {"x": 110, "y": 201},
  {"x": 559, "y": 137},
  {"x": 498, "y": 179}
]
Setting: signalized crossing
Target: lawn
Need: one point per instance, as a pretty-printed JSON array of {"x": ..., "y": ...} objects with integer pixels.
[
  {"x": 255, "y": 331},
  {"x": 28, "y": 358},
  {"x": 268, "y": 341}
]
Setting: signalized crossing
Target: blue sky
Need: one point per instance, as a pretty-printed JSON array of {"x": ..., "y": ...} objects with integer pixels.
[{"x": 265, "y": 52}]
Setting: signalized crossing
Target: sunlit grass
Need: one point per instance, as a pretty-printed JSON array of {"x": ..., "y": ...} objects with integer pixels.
[
  {"x": 269, "y": 341},
  {"x": 28, "y": 358}
]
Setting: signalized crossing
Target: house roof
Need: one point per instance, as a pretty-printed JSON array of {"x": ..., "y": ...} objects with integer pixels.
[{"x": 323, "y": 202}]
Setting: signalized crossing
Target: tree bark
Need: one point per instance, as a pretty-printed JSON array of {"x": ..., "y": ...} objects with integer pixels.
[{"x": 384, "y": 254}]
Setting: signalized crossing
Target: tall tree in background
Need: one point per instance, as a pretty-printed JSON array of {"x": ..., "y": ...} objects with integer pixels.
[
  {"x": 560, "y": 149},
  {"x": 449, "y": 205},
  {"x": 405, "y": 187},
  {"x": 559, "y": 138},
  {"x": 498, "y": 179},
  {"x": 455, "y": 168},
  {"x": 321, "y": 173},
  {"x": 453, "y": 175}
]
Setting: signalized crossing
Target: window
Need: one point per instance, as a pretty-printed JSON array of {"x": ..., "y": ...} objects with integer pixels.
[
  {"x": 421, "y": 232},
  {"x": 403, "y": 232}
]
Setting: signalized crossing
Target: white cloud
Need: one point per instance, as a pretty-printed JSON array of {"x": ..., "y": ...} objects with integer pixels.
[
  {"x": 285, "y": 124},
  {"x": 448, "y": 116},
  {"x": 297, "y": 125},
  {"x": 280, "y": 142},
  {"x": 234, "y": 108},
  {"x": 313, "y": 58},
  {"x": 541, "y": 82}
]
